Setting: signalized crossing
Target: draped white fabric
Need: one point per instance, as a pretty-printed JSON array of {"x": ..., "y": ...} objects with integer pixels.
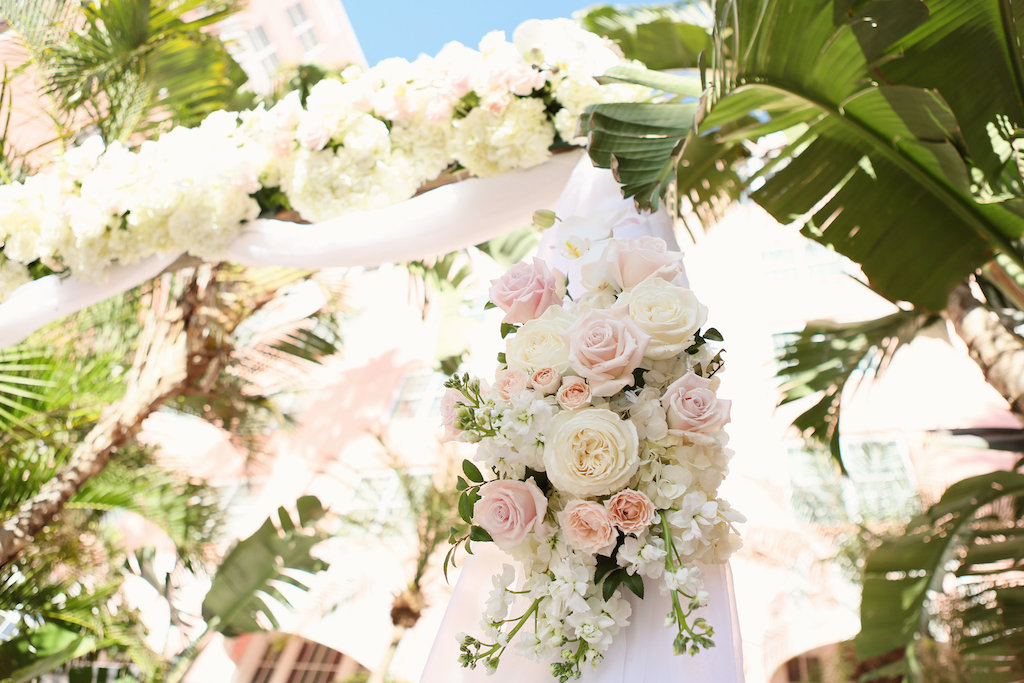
[
  {"x": 642, "y": 653},
  {"x": 434, "y": 223}
]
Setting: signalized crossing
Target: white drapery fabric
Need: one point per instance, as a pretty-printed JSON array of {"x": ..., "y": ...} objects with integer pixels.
[
  {"x": 434, "y": 223},
  {"x": 642, "y": 652}
]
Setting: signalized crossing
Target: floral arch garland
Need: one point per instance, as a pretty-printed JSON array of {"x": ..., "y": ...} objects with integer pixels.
[{"x": 111, "y": 217}]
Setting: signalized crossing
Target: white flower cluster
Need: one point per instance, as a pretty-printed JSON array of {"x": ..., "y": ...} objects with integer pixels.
[
  {"x": 603, "y": 440},
  {"x": 366, "y": 141}
]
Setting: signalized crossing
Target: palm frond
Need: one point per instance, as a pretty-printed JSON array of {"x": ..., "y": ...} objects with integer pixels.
[
  {"x": 826, "y": 359},
  {"x": 247, "y": 586},
  {"x": 957, "y": 565},
  {"x": 662, "y": 37},
  {"x": 186, "y": 509}
]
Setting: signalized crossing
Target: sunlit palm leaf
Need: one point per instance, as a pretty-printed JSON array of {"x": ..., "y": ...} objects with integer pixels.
[
  {"x": 827, "y": 359},
  {"x": 188, "y": 511},
  {"x": 666, "y": 37},
  {"x": 133, "y": 63}
]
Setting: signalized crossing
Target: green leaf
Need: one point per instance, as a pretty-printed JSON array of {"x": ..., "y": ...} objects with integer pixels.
[
  {"x": 466, "y": 503},
  {"x": 472, "y": 472},
  {"x": 507, "y": 329},
  {"x": 680, "y": 85},
  {"x": 461, "y": 484},
  {"x": 479, "y": 534},
  {"x": 244, "y": 589},
  {"x": 665, "y": 37},
  {"x": 635, "y": 583},
  {"x": 640, "y": 143},
  {"x": 612, "y": 582},
  {"x": 713, "y": 335},
  {"x": 902, "y": 572},
  {"x": 826, "y": 359}
]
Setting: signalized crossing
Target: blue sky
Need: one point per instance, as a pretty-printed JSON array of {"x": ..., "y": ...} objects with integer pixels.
[{"x": 406, "y": 28}]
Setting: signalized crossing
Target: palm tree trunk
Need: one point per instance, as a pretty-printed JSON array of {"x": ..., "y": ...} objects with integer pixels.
[
  {"x": 159, "y": 371},
  {"x": 379, "y": 674},
  {"x": 997, "y": 351}
]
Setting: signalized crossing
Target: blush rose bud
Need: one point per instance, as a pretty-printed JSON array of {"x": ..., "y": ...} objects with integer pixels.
[{"x": 546, "y": 380}]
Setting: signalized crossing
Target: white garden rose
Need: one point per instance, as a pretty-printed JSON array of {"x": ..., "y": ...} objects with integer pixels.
[
  {"x": 591, "y": 452},
  {"x": 540, "y": 343},
  {"x": 668, "y": 313}
]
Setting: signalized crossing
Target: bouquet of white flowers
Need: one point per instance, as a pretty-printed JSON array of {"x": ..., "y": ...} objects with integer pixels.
[{"x": 601, "y": 450}]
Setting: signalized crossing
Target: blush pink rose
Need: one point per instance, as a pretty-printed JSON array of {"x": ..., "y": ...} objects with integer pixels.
[
  {"x": 633, "y": 261},
  {"x": 605, "y": 347},
  {"x": 510, "y": 509},
  {"x": 630, "y": 510},
  {"x": 511, "y": 382},
  {"x": 448, "y": 412},
  {"x": 526, "y": 291},
  {"x": 574, "y": 393},
  {"x": 588, "y": 527},
  {"x": 691, "y": 405},
  {"x": 546, "y": 380}
]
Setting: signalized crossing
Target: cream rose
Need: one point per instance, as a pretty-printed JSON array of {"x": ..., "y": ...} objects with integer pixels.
[
  {"x": 668, "y": 313},
  {"x": 692, "y": 406},
  {"x": 630, "y": 510},
  {"x": 510, "y": 509},
  {"x": 590, "y": 452},
  {"x": 588, "y": 527},
  {"x": 540, "y": 343},
  {"x": 573, "y": 394},
  {"x": 546, "y": 380},
  {"x": 605, "y": 347}
]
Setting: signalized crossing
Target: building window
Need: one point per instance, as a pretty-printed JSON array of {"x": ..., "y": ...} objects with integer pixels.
[
  {"x": 264, "y": 50},
  {"x": 304, "y": 661},
  {"x": 378, "y": 504},
  {"x": 880, "y": 484},
  {"x": 419, "y": 396},
  {"x": 302, "y": 27}
]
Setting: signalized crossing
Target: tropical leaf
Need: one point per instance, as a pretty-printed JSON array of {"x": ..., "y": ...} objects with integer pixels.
[
  {"x": 862, "y": 143},
  {"x": 665, "y": 37},
  {"x": 827, "y": 359},
  {"x": 641, "y": 143},
  {"x": 968, "y": 547},
  {"x": 246, "y": 589},
  {"x": 132, "y": 63},
  {"x": 187, "y": 510}
]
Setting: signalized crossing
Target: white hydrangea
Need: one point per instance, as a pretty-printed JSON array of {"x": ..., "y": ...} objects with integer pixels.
[
  {"x": 489, "y": 144},
  {"x": 12, "y": 276}
]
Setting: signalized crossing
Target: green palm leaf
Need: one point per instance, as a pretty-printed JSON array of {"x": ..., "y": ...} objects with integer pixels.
[
  {"x": 247, "y": 586},
  {"x": 132, "y": 64},
  {"x": 872, "y": 162},
  {"x": 971, "y": 549},
  {"x": 666, "y": 37},
  {"x": 827, "y": 359}
]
